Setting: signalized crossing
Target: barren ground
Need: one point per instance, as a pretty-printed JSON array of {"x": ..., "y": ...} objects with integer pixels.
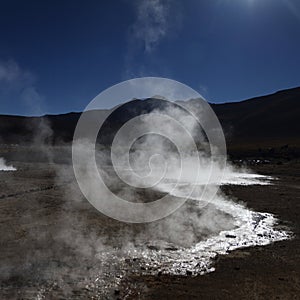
[{"x": 33, "y": 250}]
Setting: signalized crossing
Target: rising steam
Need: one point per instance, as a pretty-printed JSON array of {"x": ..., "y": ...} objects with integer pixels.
[
  {"x": 167, "y": 156},
  {"x": 151, "y": 157},
  {"x": 5, "y": 167}
]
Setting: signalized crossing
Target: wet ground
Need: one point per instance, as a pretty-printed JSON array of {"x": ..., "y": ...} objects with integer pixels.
[
  {"x": 268, "y": 272},
  {"x": 55, "y": 245}
]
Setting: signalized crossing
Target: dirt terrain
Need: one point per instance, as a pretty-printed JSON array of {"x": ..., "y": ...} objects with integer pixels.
[{"x": 50, "y": 244}]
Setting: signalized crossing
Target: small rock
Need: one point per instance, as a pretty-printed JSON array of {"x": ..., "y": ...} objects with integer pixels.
[
  {"x": 171, "y": 248},
  {"x": 231, "y": 236}
]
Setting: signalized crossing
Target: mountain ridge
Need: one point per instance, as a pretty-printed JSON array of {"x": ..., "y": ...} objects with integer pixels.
[{"x": 261, "y": 119}]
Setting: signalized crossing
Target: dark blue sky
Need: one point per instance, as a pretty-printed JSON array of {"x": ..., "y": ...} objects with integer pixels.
[{"x": 56, "y": 56}]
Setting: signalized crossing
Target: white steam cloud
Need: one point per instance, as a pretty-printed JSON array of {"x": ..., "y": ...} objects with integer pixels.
[
  {"x": 5, "y": 167},
  {"x": 187, "y": 240},
  {"x": 152, "y": 23},
  {"x": 155, "y": 20}
]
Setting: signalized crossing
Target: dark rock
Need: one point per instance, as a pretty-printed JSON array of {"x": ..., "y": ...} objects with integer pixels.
[{"x": 231, "y": 236}]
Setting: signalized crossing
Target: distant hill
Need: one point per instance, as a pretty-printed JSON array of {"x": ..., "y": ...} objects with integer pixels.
[
  {"x": 266, "y": 120},
  {"x": 24, "y": 130}
]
